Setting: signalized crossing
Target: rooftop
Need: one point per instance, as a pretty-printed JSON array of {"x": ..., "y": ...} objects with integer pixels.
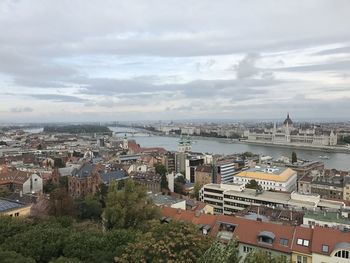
[
  {"x": 327, "y": 217},
  {"x": 280, "y": 174},
  {"x": 7, "y": 205}
]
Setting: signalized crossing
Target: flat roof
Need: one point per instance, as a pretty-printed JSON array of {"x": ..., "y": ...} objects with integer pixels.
[
  {"x": 332, "y": 217},
  {"x": 279, "y": 174}
]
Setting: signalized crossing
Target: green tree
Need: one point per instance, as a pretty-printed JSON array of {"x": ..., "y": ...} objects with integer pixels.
[
  {"x": 61, "y": 204},
  {"x": 88, "y": 246},
  {"x": 223, "y": 253},
  {"x": 59, "y": 163},
  {"x": 195, "y": 194},
  {"x": 88, "y": 208},
  {"x": 294, "y": 157},
  {"x": 13, "y": 257},
  {"x": 253, "y": 184},
  {"x": 174, "y": 242},
  {"x": 41, "y": 242},
  {"x": 11, "y": 226},
  {"x": 128, "y": 207},
  {"x": 263, "y": 256},
  {"x": 160, "y": 169},
  {"x": 65, "y": 260}
]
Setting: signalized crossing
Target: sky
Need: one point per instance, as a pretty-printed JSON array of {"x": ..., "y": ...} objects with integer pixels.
[{"x": 101, "y": 60}]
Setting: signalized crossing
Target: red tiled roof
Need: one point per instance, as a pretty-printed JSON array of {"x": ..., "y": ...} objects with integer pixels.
[
  {"x": 329, "y": 237},
  {"x": 305, "y": 234}
]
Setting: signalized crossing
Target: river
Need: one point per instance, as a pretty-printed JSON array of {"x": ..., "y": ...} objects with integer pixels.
[{"x": 340, "y": 161}]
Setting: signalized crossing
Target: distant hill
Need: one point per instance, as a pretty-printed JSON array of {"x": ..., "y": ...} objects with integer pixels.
[{"x": 88, "y": 128}]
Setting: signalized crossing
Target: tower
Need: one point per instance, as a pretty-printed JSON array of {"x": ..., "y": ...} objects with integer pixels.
[{"x": 125, "y": 142}]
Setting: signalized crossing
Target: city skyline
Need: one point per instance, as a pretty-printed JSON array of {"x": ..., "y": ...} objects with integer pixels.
[{"x": 77, "y": 61}]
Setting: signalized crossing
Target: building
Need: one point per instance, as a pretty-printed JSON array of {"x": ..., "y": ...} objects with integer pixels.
[
  {"x": 270, "y": 178},
  {"x": 297, "y": 244},
  {"x": 328, "y": 187},
  {"x": 191, "y": 163},
  {"x": 84, "y": 181},
  {"x": 305, "y": 168},
  {"x": 340, "y": 220},
  {"x": 346, "y": 188},
  {"x": 169, "y": 201},
  {"x": 287, "y": 134},
  {"x": 232, "y": 198},
  {"x": 185, "y": 144},
  {"x": 14, "y": 208},
  {"x": 149, "y": 179},
  {"x": 203, "y": 174},
  {"x": 225, "y": 170},
  {"x": 19, "y": 181}
]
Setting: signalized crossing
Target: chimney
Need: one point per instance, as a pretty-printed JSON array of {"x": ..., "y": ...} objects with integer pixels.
[{"x": 259, "y": 219}]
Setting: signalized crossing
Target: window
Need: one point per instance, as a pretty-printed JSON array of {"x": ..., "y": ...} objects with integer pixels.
[
  {"x": 306, "y": 243},
  {"x": 342, "y": 254},
  {"x": 16, "y": 214},
  {"x": 301, "y": 259},
  {"x": 325, "y": 248},
  {"x": 284, "y": 242},
  {"x": 247, "y": 249},
  {"x": 303, "y": 242}
]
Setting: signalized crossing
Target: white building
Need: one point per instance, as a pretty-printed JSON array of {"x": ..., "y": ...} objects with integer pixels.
[
  {"x": 287, "y": 134},
  {"x": 231, "y": 198},
  {"x": 270, "y": 178},
  {"x": 34, "y": 184}
]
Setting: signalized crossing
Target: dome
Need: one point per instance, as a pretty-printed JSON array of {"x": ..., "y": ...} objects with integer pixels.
[{"x": 288, "y": 121}]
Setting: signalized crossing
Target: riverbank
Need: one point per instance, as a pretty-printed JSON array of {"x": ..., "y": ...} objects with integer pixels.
[{"x": 300, "y": 147}]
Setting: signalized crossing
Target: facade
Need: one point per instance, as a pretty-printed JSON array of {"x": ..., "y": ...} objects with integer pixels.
[
  {"x": 270, "y": 178},
  {"x": 231, "y": 198},
  {"x": 19, "y": 181},
  {"x": 305, "y": 168},
  {"x": 150, "y": 180},
  {"x": 296, "y": 244},
  {"x": 346, "y": 188},
  {"x": 84, "y": 181},
  {"x": 226, "y": 170},
  {"x": 287, "y": 134},
  {"x": 328, "y": 187},
  {"x": 204, "y": 175}
]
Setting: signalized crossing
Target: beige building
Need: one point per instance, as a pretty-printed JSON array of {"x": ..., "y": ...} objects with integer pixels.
[
  {"x": 270, "y": 178},
  {"x": 203, "y": 175}
]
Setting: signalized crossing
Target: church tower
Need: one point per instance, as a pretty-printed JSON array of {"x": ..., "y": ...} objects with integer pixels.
[{"x": 125, "y": 143}]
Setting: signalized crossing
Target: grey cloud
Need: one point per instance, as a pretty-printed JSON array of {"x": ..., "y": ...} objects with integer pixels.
[
  {"x": 21, "y": 109},
  {"x": 332, "y": 51},
  {"x": 56, "y": 97},
  {"x": 331, "y": 66}
]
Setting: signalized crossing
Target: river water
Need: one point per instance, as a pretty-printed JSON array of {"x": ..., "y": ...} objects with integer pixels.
[{"x": 340, "y": 161}]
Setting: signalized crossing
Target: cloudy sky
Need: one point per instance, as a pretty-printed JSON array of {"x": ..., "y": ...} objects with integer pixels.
[{"x": 97, "y": 60}]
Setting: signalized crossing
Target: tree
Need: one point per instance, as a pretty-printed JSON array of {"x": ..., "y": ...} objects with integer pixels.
[
  {"x": 61, "y": 204},
  {"x": 88, "y": 208},
  {"x": 223, "y": 253},
  {"x": 65, "y": 260},
  {"x": 128, "y": 207},
  {"x": 294, "y": 157},
  {"x": 253, "y": 184},
  {"x": 174, "y": 242},
  {"x": 248, "y": 154},
  {"x": 160, "y": 169},
  {"x": 11, "y": 257},
  {"x": 197, "y": 187},
  {"x": 59, "y": 163},
  {"x": 263, "y": 256},
  {"x": 11, "y": 226},
  {"x": 41, "y": 242}
]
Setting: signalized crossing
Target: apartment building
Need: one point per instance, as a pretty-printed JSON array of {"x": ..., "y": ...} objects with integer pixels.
[
  {"x": 297, "y": 244},
  {"x": 231, "y": 198}
]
